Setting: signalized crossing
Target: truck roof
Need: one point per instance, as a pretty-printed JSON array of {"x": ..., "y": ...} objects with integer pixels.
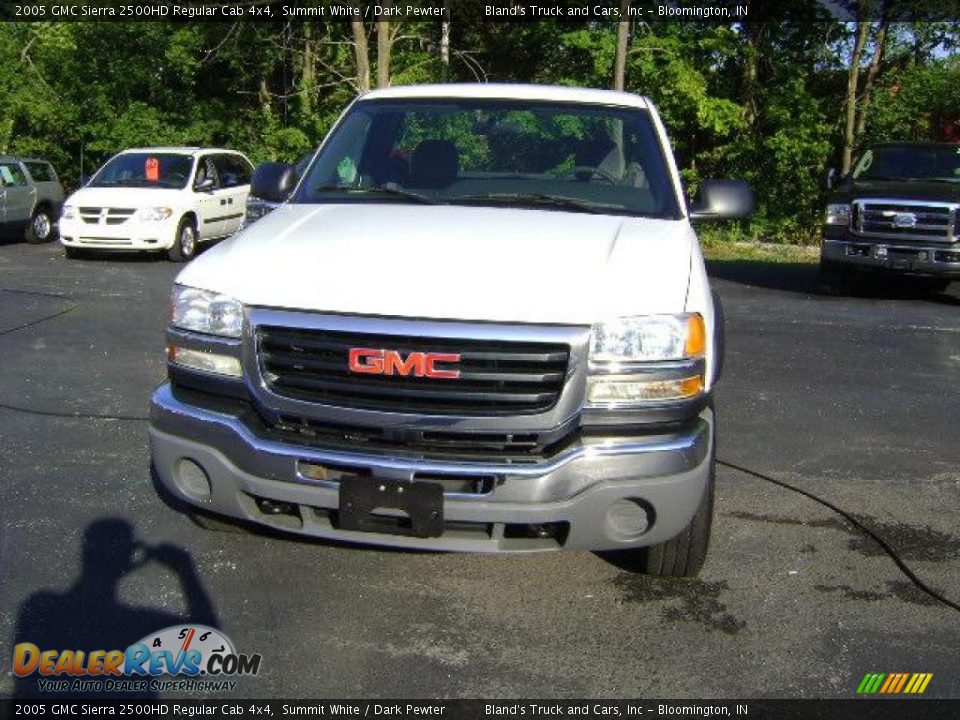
[
  {"x": 916, "y": 144},
  {"x": 21, "y": 158},
  {"x": 504, "y": 91}
]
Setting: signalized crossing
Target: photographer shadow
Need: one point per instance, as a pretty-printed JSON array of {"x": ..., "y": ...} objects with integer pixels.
[{"x": 90, "y": 615}]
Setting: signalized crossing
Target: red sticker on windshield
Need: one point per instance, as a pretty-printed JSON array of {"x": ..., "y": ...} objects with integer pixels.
[{"x": 152, "y": 169}]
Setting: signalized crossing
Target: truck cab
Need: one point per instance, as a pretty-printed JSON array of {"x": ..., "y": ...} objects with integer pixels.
[{"x": 894, "y": 215}]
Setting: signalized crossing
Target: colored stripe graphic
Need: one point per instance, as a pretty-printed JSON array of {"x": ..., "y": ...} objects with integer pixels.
[{"x": 894, "y": 683}]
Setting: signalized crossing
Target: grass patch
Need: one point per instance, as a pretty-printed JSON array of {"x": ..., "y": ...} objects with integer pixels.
[{"x": 762, "y": 252}]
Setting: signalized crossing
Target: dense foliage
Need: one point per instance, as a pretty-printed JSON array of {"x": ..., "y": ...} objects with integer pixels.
[{"x": 768, "y": 103}]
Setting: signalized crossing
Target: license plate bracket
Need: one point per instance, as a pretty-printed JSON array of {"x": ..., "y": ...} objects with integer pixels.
[{"x": 421, "y": 503}]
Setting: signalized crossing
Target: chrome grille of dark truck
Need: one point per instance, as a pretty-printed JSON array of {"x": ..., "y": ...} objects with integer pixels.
[
  {"x": 496, "y": 377},
  {"x": 932, "y": 221}
]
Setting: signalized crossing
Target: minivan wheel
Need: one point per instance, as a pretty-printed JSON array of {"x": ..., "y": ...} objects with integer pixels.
[
  {"x": 40, "y": 229},
  {"x": 185, "y": 244}
]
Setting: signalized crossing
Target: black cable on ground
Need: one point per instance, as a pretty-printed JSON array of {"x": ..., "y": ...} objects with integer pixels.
[
  {"x": 73, "y": 415},
  {"x": 904, "y": 568}
]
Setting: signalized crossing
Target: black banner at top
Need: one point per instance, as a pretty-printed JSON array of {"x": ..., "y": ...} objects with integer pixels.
[{"x": 720, "y": 11}]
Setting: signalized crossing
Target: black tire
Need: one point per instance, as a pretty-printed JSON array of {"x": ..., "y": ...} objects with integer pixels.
[
  {"x": 933, "y": 285},
  {"x": 835, "y": 278},
  {"x": 40, "y": 230},
  {"x": 74, "y": 253},
  {"x": 183, "y": 247},
  {"x": 684, "y": 555}
]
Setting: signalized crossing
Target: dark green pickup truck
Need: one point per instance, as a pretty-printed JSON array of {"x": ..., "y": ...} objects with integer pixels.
[{"x": 897, "y": 213}]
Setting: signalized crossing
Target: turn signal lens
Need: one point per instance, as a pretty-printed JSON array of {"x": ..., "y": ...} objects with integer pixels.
[{"x": 205, "y": 361}]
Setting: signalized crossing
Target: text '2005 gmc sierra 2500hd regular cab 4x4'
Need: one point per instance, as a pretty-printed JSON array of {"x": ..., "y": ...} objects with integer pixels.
[{"x": 480, "y": 321}]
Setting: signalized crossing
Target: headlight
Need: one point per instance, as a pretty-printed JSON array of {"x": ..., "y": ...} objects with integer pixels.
[
  {"x": 206, "y": 312},
  {"x": 68, "y": 212},
  {"x": 637, "y": 361},
  {"x": 838, "y": 214},
  {"x": 153, "y": 214},
  {"x": 650, "y": 338}
]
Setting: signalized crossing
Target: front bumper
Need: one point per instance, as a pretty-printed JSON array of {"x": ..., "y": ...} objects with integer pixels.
[
  {"x": 130, "y": 235},
  {"x": 575, "y": 489},
  {"x": 896, "y": 256}
]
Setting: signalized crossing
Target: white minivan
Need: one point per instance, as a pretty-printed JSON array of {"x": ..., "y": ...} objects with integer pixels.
[{"x": 164, "y": 198}]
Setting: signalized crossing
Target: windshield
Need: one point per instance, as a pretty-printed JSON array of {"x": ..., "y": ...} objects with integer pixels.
[
  {"x": 156, "y": 170},
  {"x": 932, "y": 163},
  {"x": 562, "y": 156}
]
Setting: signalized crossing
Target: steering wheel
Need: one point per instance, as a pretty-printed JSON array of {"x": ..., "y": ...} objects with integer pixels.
[
  {"x": 177, "y": 177},
  {"x": 591, "y": 172}
]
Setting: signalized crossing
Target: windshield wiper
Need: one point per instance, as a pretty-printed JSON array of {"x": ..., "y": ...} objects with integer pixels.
[
  {"x": 388, "y": 189},
  {"x": 560, "y": 201}
]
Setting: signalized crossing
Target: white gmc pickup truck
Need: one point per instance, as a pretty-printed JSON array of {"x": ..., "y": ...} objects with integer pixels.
[{"x": 479, "y": 321}]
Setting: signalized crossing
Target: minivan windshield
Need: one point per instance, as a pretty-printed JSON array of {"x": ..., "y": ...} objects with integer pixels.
[
  {"x": 558, "y": 156},
  {"x": 145, "y": 170},
  {"x": 932, "y": 163}
]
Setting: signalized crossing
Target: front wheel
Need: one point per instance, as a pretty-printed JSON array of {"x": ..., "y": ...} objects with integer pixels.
[
  {"x": 40, "y": 229},
  {"x": 835, "y": 278},
  {"x": 681, "y": 556},
  {"x": 185, "y": 243}
]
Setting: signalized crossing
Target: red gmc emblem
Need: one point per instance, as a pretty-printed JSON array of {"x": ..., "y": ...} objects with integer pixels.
[{"x": 391, "y": 362}]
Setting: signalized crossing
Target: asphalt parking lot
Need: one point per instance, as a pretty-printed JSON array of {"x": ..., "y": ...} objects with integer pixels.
[{"x": 851, "y": 399}]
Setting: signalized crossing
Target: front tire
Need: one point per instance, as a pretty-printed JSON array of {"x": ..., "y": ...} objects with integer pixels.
[
  {"x": 684, "y": 555},
  {"x": 835, "y": 278},
  {"x": 40, "y": 229},
  {"x": 185, "y": 242}
]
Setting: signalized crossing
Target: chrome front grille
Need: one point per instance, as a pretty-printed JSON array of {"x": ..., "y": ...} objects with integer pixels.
[
  {"x": 495, "y": 377},
  {"x": 105, "y": 216},
  {"x": 906, "y": 220}
]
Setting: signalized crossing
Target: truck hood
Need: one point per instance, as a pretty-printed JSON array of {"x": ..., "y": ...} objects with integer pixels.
[
  {"x": 123, "y": 197},
  {"x": 450, "y": 262},
  {"x": 898, "y": 190}
]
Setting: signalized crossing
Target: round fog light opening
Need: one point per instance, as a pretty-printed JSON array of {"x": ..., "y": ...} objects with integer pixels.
[
  {"x": 193, "y": 480},
  {"x": 629, "y": 518}
]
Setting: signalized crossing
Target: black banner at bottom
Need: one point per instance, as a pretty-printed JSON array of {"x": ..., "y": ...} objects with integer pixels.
[{"x": 894, "y": 709}]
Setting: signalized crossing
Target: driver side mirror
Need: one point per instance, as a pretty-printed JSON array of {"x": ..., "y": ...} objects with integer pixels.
[
  {"x": 722, "y": 200},
  {"x": 204, "y": 185},
  {"x": 273, "y": 181}
]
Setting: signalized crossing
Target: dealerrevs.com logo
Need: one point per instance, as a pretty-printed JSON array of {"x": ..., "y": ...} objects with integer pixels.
[{"x": 200, "y": 657}]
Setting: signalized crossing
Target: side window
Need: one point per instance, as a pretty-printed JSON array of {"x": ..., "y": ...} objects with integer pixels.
[
  {"x": 233, "y": 170},
  {"x": 206, "y": 170},
  {"x": 40, "y": 172},
  {"x": 12, "y": 175}
]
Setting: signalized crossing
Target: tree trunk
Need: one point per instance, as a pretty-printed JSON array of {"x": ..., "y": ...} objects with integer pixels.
[
  {"x": 748, "y": 80},
  {"x": 384, "y": 47},
  {"x": 362, "y": 54},
  {"x": 623, "y": 37},
  {"x": 853, "y": 76},
  {"x": 879, "y": 47},
  {"x": 307, "y": 73},
  {"x": 445, "y": 42}
]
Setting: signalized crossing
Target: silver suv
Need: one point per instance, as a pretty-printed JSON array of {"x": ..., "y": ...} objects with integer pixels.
[{"x": 30, "y": 198}]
